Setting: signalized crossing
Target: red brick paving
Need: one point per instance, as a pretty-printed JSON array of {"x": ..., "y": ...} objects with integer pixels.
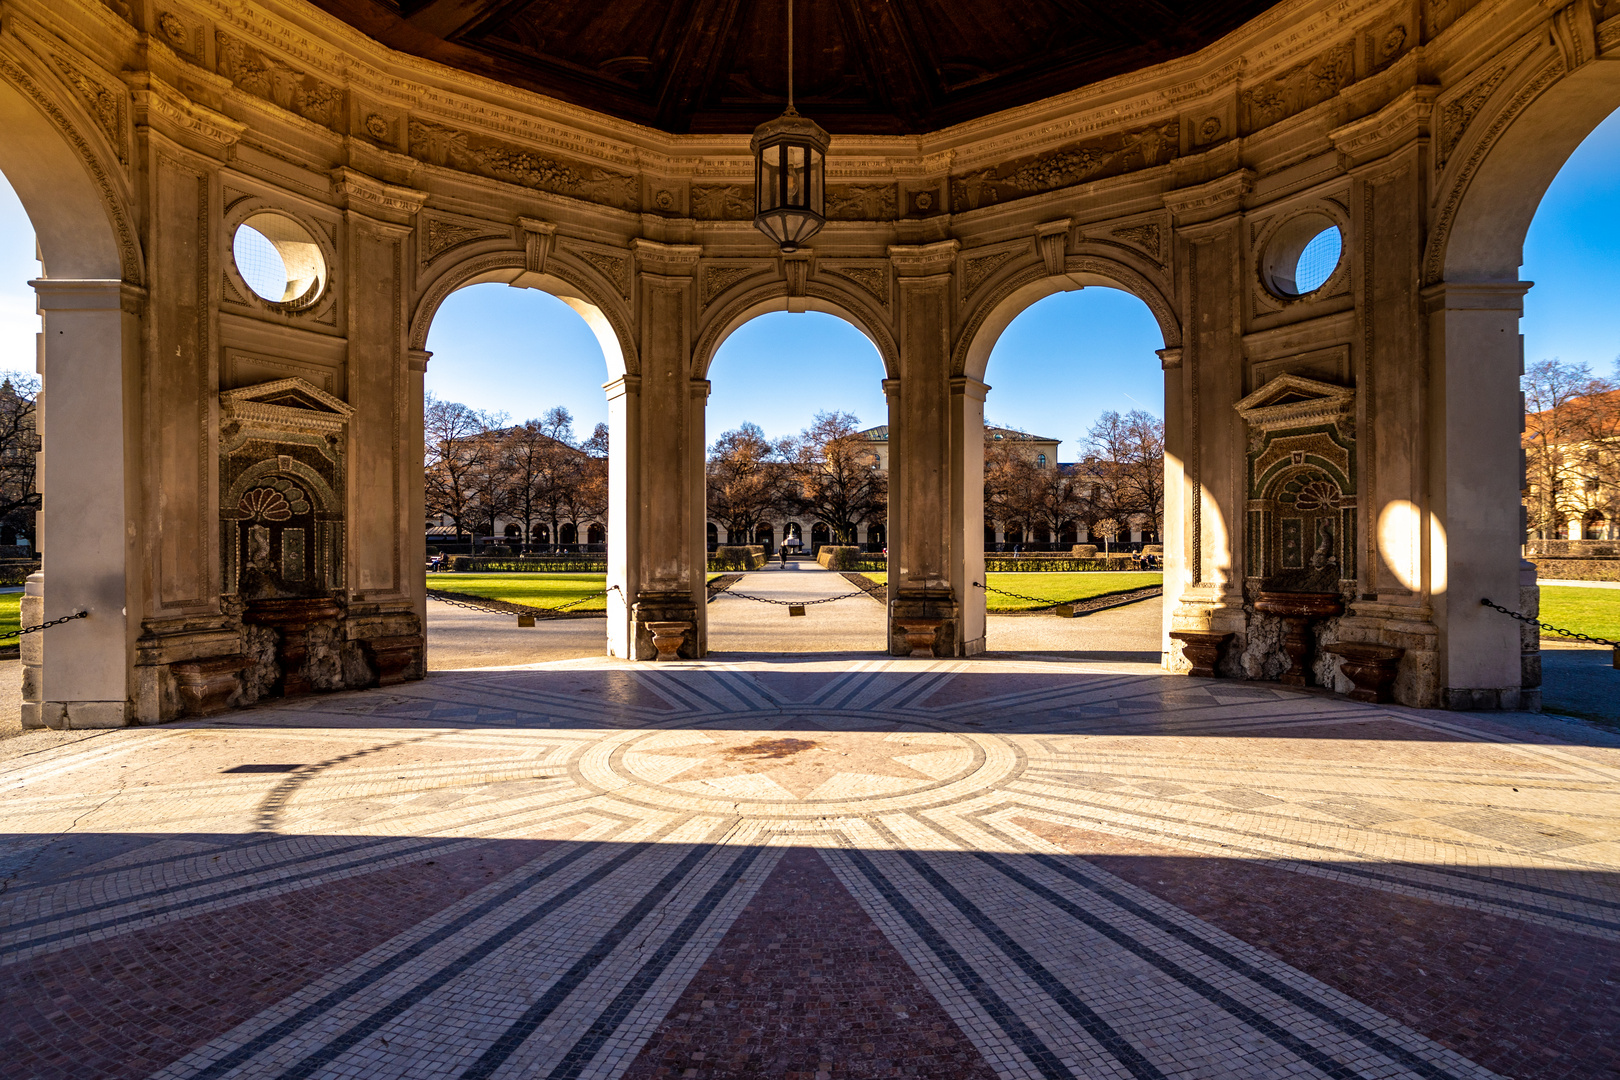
[
  {"x": 806, "y": 987},
  {"x": 1524, "y": 1001},
  {"x": 130, "y": 1005}
]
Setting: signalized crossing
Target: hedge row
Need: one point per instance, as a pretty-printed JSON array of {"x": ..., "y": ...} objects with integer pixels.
[
  {"x": 737, "y": 557},
  {"x": 574, "y": 565}
]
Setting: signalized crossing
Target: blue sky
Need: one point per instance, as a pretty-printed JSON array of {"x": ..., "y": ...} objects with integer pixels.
[{"x": 1055, "y": 369}]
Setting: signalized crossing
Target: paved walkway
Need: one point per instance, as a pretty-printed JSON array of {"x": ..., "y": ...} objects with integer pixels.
[
  {"x": 810, "y": 868},
  {"x": 853, "y": 625}
]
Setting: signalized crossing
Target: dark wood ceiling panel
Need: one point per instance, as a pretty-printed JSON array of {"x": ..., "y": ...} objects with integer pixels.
[{"x": 861, "y": 66}]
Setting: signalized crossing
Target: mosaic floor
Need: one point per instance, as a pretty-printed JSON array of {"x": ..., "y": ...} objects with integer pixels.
[{"x": 813, "y": 871}]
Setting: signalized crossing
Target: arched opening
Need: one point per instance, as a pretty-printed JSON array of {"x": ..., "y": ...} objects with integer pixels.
[
  {"x": 796, "y": 425},
  {"x": 85, "y": 283},
  {"x": 1073, "y": 444},
  {"x": 517, "y": 445},
  {"x": 1537, "y": 207}
]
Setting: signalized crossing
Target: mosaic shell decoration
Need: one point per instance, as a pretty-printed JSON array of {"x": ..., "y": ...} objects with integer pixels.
[{"x": 271, "y": 504}]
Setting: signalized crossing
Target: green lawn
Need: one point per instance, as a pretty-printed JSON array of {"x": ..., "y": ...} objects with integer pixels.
[
  {"x": 1055, "y": 588},
  {"x": 1588, "y": 611},
  {"x": 10, "y": 618},
  {"x": 1052, "y": 588},
  {"x": 535, "y": 590}
]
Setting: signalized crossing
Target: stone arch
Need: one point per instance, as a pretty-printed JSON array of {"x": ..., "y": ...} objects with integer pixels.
[
  {"x": 1028, "y": 283},
  {"x": 605, "y": 316},
  {"x": 64, "y": 173},
  {"x": 1503, "y": 162},
  {"x": 827, "y": 299}
]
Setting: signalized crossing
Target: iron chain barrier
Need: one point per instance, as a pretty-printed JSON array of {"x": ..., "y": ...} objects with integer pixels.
[
  {"x": 541, "y": 613},
  {"x": 789, "y": 603},
  {"x": 45, "y": 625},
  {"x": 1575, "y": 635}
]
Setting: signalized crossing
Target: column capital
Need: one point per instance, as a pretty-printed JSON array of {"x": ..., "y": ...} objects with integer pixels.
[
  {"x": 623, "y": 386},
  {"x": 968, "y": 386},
  {"x": 417, "y": 359},
  {"x": 367, "y": 195},
  {"x": 700, "y": 389},
  {"x": 924, "y": 260},
  {"x": 891, "y": 387},
  {"x": 1169, "y": 359},
  {"x": 666, "y": 260},
  {"x": 1475, "y": 296},
  {"x": 87, "y": 294}
]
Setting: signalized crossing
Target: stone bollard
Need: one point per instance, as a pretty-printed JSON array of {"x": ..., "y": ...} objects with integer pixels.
[
  {"x": 1529, "y": 638},
  {"x": 32, "y": 651}
]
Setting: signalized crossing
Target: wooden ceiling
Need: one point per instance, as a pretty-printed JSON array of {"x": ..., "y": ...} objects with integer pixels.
[{"x": 861, "y": 66}]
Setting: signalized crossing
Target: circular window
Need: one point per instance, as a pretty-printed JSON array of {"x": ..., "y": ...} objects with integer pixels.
[
  {"x": 279, "y": 260},
  {"x": 1302, "y": 255}
]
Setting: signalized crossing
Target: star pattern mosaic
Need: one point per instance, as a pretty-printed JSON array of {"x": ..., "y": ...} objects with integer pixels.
[{"x": 892, "y": 868}]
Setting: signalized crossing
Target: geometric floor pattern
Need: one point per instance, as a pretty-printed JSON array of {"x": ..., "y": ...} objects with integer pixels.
[{"x": 813, "y": 870}]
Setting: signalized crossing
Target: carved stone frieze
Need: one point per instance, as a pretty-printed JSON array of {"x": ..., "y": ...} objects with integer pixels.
[
  {"x": 438, "y": 144},
  {"x": 1147, "y": 237},
  {"x": 717, "y": 279},
  {"x": 976, "y": 269},
  {"x": 1093, "y": 159},
  {"x": 267, "y": 78},
  {"x": 1298, "y": 88},
  {"x": 873, "y": 280},
  {"x": 440, "y": 233},
  {"x": 105, "y": 104},
  {"x": 723, "y": 202},
  {"x": 616, "y": 268},
  {"x": 861, "y": 202},
  {"x": 1459, "y": 112}
]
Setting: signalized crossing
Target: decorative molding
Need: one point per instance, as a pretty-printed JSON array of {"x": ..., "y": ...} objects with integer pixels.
[
  {"x": 358, "y": 191},
  {"x": 539, "y": 239},
  {"x": 923, "y": 260},
  {"x": 1214, "y": 199},
  {"x": 1293, "y": 401},
  {"x": 723, "y": 202},
  {"x": 1147, "y": 237},
  {"x": 1459, "y": 111},
  {"x": 859, "y": 202},
  {"x": 1052, "y": 242},
  {"x": 1396, "y": 125},
  {"x": 159, "y": 105},
  {"x": 796, "y": 271}
]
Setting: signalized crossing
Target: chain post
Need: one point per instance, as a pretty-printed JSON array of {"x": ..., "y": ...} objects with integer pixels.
[{"x": 1572, "y": 634}]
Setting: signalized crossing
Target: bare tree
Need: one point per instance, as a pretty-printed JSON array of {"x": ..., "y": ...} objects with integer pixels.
[
  {"x": 19, "y": 450},
  {"x": 457, "y": 448},
  {"x": 1126, "y": 466},
  {"x": 747, "y": 478},
  {"x": 1563, "y": 442},
  {"x": 1017, "y": 488},
  {"x": 836, "y": 475}
]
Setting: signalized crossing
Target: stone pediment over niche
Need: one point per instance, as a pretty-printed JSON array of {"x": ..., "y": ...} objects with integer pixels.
[
  {"x": 292, "y": 404},
  {"x": 1293, "y": 401}
]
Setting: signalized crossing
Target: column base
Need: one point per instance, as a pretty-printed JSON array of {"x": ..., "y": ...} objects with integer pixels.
[
  {"x": 917, "y": 606},
  {"x": 653, "y": 608},
  {"x": 83, "y": 715}
]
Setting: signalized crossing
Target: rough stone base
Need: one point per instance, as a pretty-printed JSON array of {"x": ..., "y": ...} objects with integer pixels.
[
  {"x": 665, "y": 607},
  {"x": 936, "y": 604},
  {"x": 1484, "y": 699}
]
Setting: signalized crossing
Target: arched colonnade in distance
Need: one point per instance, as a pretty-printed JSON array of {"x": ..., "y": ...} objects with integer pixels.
[{"x": 139, "y": 138}]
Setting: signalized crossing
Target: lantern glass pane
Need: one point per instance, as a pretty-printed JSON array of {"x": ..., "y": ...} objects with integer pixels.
[
  {"x": 770, "y": 181},
  {"x": 815, "y": 200},
  {"x": 794, "y": 167}
]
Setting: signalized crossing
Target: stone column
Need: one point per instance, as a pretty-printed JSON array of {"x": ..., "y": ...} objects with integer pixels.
[
  {"x": 624, "y": 512},
  {"x": 667, "y": 553},
  {"x": 89, "y": 428},
  {"x": 967, "y": 508},
  {"x": 923, "y": 582},
  {"x": 1174, "y": 535},
  {"x": 1470, "y": 534},
  {"x": 1208, "y": 432}
]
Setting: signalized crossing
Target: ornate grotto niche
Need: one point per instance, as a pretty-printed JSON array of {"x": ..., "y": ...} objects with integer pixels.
[
  {"x": 283, "y": 449},
  {"x": 1301, "y": 527}
]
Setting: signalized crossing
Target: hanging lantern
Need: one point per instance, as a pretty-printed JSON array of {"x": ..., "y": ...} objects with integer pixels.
[{"x": 790, "y": 170}]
